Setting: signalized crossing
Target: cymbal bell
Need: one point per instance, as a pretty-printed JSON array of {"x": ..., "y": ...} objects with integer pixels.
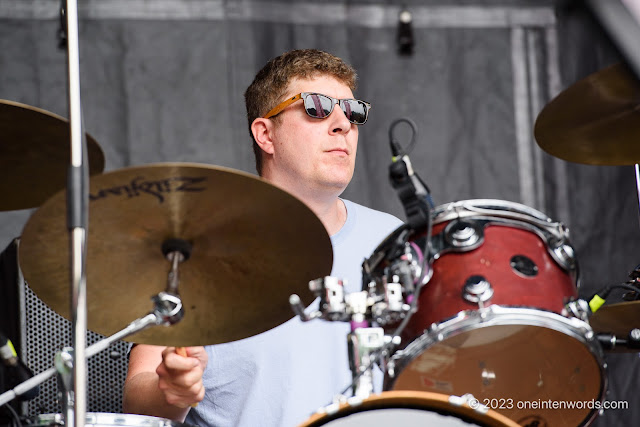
[
  {"x": 252, "y": 246},
  {"x": 595, "y": 121},
  {"x": 617, "y": 319},
  {"x": 35, "y": 155}
]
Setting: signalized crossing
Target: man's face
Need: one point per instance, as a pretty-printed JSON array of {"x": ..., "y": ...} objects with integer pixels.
[{"x": 310, "y": 153}]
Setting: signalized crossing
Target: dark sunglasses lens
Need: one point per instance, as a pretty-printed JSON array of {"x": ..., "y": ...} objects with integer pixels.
[
  {"x": 317, "y": 105},
  {"x": 356, "y": 111}
]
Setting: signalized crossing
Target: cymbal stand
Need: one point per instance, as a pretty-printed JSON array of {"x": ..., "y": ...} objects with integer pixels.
[
  {"x": 637, "y": 170},
  {"x": 77, "y": 216},
  {"x": 166, "y": 312}
]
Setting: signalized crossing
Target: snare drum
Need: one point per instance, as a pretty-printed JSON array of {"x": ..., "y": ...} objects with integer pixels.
[
  {"x": 103, "y": 419},
  {"x": 407, "y": 409},
  {"x": 491, "y": 321}
]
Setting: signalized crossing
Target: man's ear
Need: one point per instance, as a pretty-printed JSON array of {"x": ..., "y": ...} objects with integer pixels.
[{"x": 262, "y": 130}]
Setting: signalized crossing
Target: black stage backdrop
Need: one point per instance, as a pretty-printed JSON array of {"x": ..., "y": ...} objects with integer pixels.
[{"x": 164, "y": 81}]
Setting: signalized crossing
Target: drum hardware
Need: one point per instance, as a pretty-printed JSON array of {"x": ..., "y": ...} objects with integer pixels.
[
  {"x": 332, "y": 298},
  {"x": 478, "y": 290},
  {"x": 63, "y": 363},
  {"x": 394, "y": 274},
  {"x": 77, "y": 221},
  {"x": 167, "y": 310},
  {"x": 579, "y": 309},
  {"x": 612, "y": 342},
  {"x": 365, "y": 343},
  {"x": 462, "y": 234}
]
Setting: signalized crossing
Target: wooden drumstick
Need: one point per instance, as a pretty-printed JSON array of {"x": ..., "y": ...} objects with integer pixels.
[{"x": 183, "y": 352}]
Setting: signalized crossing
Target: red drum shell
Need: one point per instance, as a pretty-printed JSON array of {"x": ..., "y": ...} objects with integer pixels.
[{"x": 550, "y": 289}]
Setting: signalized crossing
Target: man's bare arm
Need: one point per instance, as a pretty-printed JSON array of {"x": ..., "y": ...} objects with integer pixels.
[{"x": 162, "y": 383}]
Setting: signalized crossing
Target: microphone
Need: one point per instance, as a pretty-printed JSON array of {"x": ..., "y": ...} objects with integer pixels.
[
  {"x": 402, "y": 256},
  {"x": 413, "y": 192},
  {"x": 17, "y": 371}
]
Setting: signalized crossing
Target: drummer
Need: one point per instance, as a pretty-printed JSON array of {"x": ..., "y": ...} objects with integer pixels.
[{"x": 304, "y": 123}]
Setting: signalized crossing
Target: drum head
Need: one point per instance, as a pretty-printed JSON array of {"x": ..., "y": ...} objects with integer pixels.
[
  {"x": 408, "y": 409},
  {"x": 517, "y": 366}
]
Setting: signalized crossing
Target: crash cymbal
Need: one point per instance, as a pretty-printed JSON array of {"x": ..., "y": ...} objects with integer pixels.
[
  {"x": 35, "y": 155},
  {"x": 617, "y": 319},
  {"x": 252, "y": 245},
  {"x": 595, "y": 121}
]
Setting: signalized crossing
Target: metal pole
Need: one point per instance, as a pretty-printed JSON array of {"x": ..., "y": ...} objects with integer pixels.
[
  {"x": 637, "y": 167},
  {"x": 77, "y": 222}
]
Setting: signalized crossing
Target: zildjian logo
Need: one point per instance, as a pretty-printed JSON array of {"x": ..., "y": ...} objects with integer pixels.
[{"x": 159, "y": 188}]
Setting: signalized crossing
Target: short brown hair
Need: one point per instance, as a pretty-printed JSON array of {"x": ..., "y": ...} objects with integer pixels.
[{"x": 269, "y": 86}]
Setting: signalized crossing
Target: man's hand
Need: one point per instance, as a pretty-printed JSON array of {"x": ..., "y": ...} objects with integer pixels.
[{"x": 180, "y": 377}]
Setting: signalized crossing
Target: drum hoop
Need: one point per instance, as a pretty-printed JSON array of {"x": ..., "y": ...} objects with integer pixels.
[
  {"x": 505, "y": 213},
  {"x": 492, "y": 208},
  {"x": 410, "y": 399},
  {"x": 106, "y": 418}
]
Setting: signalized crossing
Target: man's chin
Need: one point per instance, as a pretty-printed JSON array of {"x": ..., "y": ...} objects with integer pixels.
[{"x": 335, "y": 186}]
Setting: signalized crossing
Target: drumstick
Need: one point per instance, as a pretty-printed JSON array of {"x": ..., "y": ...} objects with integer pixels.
[{"x": 183, "y": 352}]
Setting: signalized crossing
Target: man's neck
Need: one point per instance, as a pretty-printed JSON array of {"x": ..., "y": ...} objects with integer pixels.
[
  {"x": 333, "y": 214},
  {"x": 327, "y": 206}
]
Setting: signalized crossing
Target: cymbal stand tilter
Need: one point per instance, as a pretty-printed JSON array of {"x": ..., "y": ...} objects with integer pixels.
[{"x": 167, "y": 311}]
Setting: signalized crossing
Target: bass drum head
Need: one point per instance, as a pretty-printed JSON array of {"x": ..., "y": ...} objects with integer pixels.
[{"x": 408, "y": 409}]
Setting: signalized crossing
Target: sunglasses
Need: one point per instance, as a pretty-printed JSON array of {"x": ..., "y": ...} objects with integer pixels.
[{"x": 320, "y": 106}]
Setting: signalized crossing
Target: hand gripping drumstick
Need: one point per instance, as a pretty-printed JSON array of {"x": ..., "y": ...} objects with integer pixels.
[{"x": 183, "y": 352}]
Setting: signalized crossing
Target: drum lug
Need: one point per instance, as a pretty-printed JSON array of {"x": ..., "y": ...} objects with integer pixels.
[
  {"x": 477, "y": 289},
  {"x": 461, "y": 234},
  {"x": 578, "y": 308},
  {"x": 458, "y": 236},
  {"x": 565, "y": 256}
]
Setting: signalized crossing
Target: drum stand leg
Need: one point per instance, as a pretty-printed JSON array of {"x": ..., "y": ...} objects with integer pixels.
[{"x": 364, "y": 344}]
